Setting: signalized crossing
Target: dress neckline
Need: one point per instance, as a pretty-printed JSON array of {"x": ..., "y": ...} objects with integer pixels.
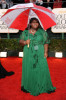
[{"x": 32, "y": 34}]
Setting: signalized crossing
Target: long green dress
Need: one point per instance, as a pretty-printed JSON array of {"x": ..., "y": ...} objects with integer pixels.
[{"x": 35, "y": 73}]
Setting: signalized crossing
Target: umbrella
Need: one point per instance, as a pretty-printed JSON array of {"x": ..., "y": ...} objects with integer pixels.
[{"x": 18, "y": 16}]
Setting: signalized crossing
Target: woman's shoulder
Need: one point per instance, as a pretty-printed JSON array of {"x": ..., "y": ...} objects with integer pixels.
[
  {"x": 42, "y": 30},
  {"x": 25, "y": 30}
]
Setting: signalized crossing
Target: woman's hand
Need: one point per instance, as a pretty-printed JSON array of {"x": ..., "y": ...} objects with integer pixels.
[
  {"x": 22, "y": 42},
  {"x": 27, "y": 41},
  {"x": 46, "y": 50},
  {"x": 45, "y": 55}
]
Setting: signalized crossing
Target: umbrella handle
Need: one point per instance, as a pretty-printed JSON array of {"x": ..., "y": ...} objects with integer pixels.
[{"x": 28, "y": 45}]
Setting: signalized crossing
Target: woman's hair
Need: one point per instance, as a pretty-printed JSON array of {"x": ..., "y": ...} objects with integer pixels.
[{"x": 31, "y": 20}]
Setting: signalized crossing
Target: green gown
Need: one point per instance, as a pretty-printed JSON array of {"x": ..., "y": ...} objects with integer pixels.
[{"x": 35, "y": 72}]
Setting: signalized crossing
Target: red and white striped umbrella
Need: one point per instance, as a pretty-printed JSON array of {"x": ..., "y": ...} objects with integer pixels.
[{"x": 18, "y": 16}]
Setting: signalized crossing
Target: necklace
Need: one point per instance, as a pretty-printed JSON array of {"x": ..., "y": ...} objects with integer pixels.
[{"x": 32, "y": 31}]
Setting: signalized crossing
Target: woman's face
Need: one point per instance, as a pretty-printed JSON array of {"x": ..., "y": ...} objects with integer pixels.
[{"x": 34, "y": 24}]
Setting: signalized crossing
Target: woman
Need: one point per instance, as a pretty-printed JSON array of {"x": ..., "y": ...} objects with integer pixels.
[{"x": 35, "y": 73}]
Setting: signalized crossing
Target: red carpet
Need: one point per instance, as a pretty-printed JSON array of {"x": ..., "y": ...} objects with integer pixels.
[{"x": 10, "y": 87}]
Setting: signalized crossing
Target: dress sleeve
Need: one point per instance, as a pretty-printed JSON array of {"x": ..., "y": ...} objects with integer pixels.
[
  {"x": 46, "y": 39},
  {"x": 22, "y": 36}
]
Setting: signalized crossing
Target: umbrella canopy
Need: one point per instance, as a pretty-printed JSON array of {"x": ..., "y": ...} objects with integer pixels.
[{"x": 19, "y": 15}]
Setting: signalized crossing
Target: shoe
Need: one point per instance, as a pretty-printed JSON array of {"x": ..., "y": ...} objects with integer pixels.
[
  {"x": 22, "y": 89},
  {"x": 2, "y": 76},
  {"x": 9, "y": 73},
  {"x": 51, "y": 91}
]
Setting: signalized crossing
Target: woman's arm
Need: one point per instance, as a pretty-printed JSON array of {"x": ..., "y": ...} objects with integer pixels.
[
  {"x": 46, "y": 50},
  {"x": 22, "y": 42}
]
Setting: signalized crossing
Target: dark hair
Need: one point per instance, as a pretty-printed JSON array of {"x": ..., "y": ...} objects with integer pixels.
[{"x": 31, "y": 20}]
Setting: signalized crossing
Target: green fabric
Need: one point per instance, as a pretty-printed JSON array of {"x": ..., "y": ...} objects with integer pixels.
[{"x": 35, "y": 72}]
